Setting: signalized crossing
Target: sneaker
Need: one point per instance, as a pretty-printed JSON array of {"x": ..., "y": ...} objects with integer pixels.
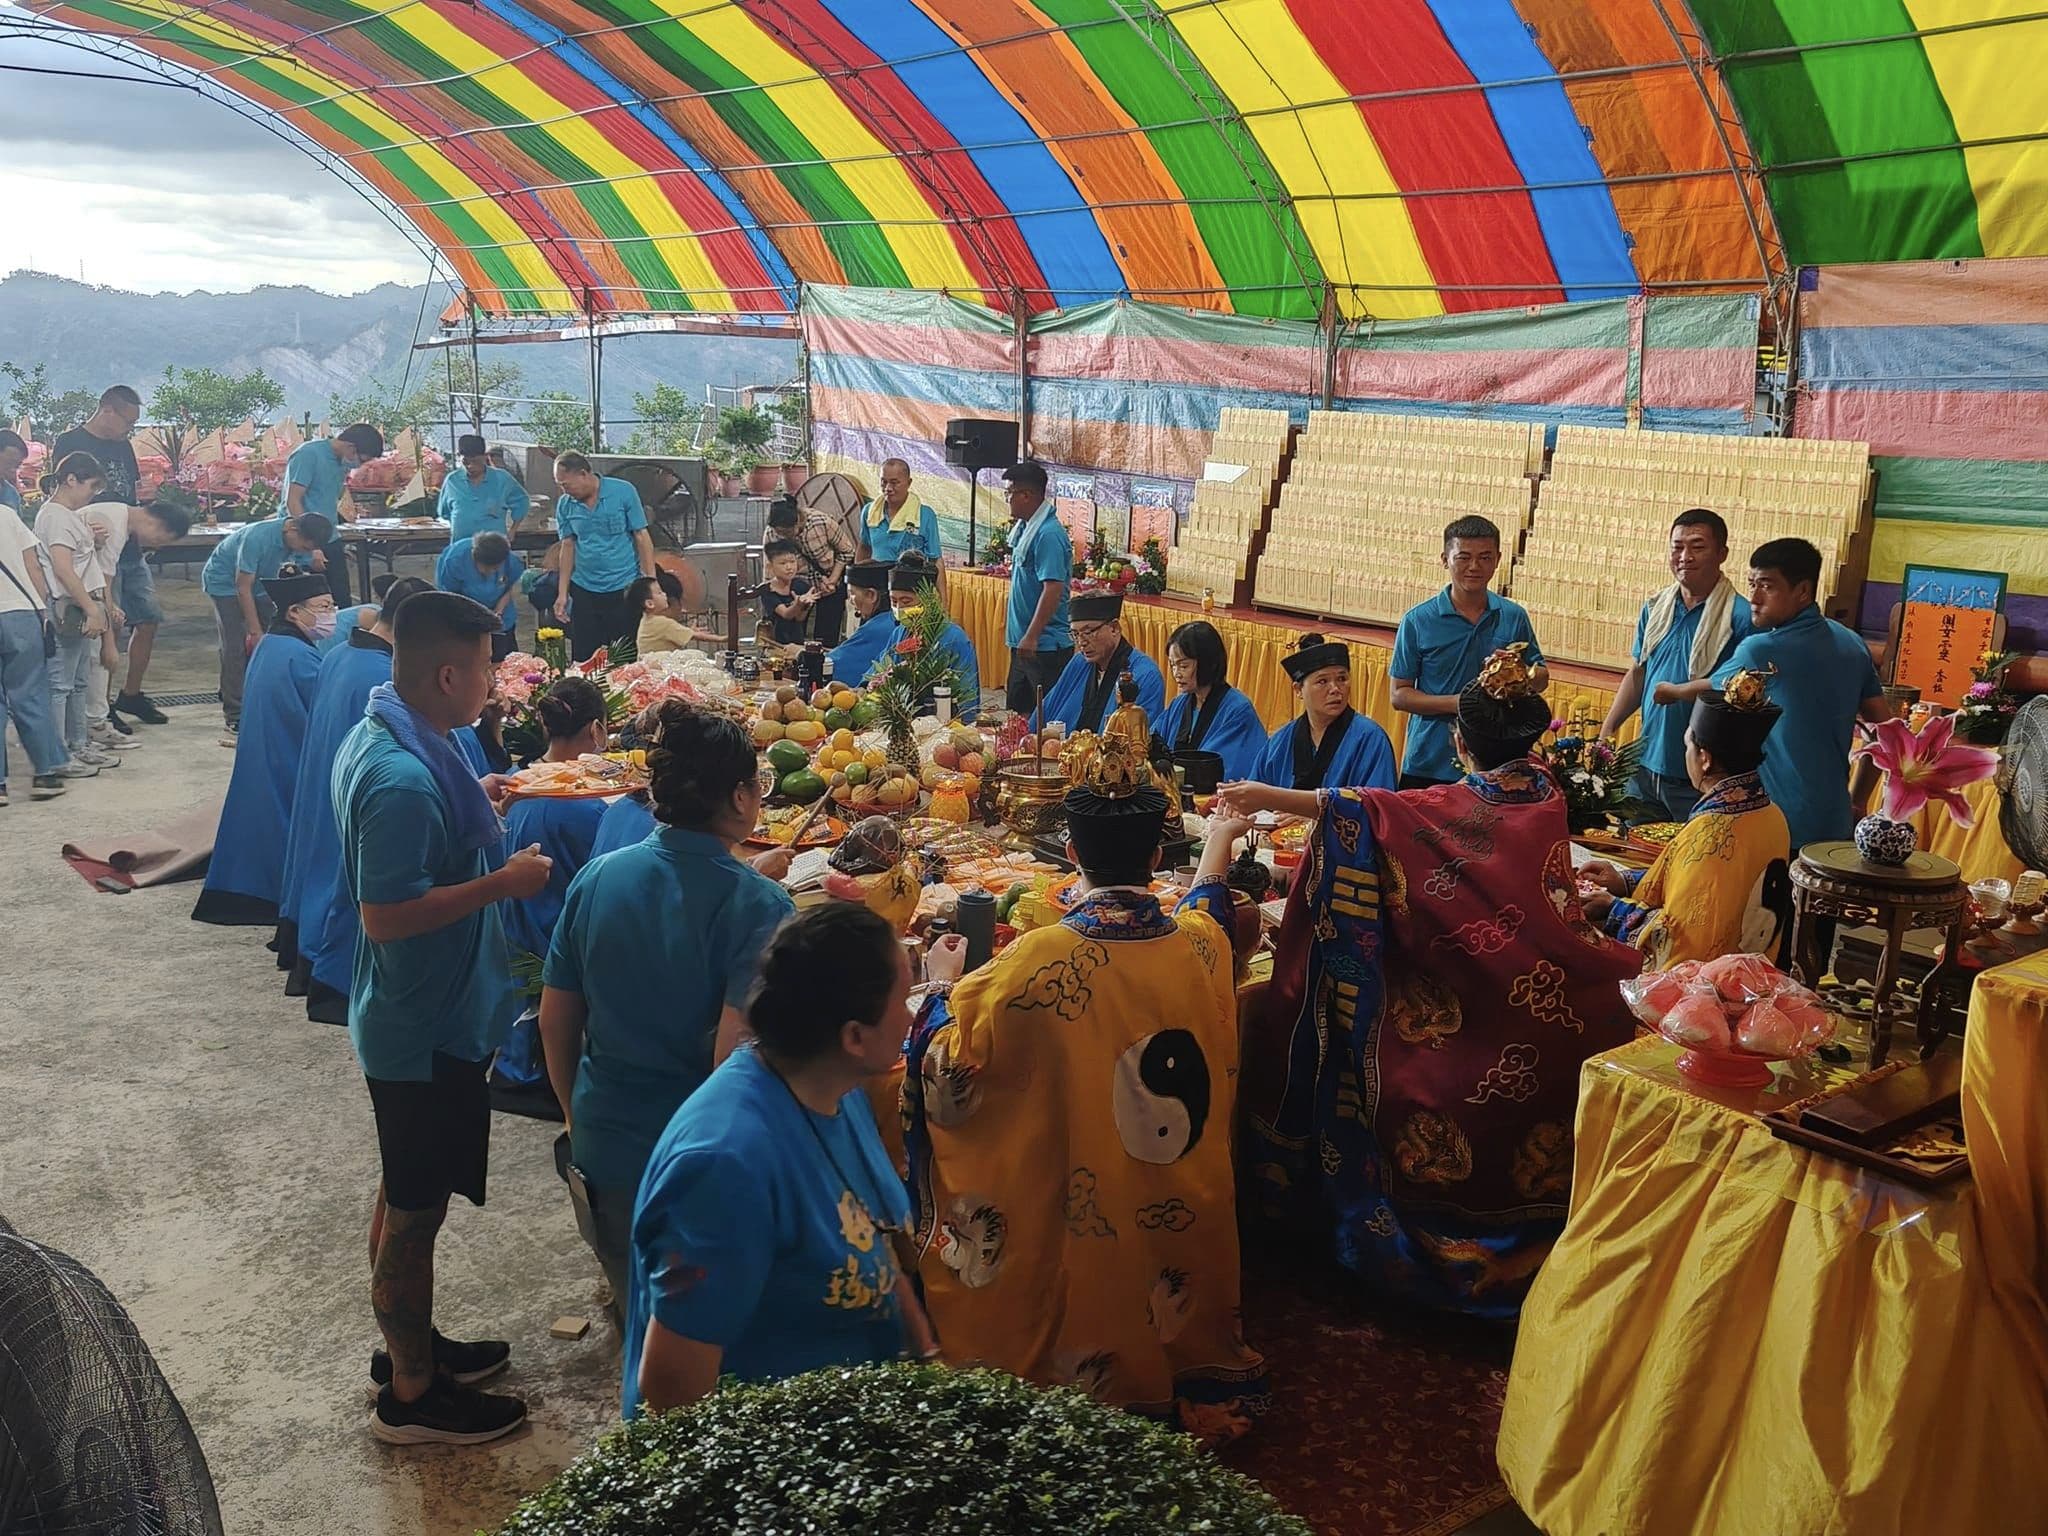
[
  {"x": 141, "y": 707},
  {"x": 117, "y": 725},
  {"x": 445, "y": 1414},
  {"x": 107, "y": 739},
  {"x": 47, "y": 786},
  {"x": 465, "y": 1364},
  {"x": 97, "y": 757},
  {"x": 3, "y": 794},
  {"x": 72, "y": 769},
  {"x": 230, "y": 738}
]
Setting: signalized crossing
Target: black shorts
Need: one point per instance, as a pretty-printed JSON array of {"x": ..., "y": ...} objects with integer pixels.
[{"x": 434, "y": 1138}]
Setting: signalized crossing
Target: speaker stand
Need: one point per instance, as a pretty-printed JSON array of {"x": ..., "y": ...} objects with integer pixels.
[{"x": 973, "y": 506}]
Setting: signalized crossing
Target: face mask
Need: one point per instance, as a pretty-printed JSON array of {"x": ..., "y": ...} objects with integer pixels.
[{"x": 322, "y": 625}]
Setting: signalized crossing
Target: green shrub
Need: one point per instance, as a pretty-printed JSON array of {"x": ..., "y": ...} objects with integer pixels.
[{"x": 898, "y": 1450}]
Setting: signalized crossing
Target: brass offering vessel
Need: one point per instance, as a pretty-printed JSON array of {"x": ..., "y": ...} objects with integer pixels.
[{"x": 1029, "y": 796}]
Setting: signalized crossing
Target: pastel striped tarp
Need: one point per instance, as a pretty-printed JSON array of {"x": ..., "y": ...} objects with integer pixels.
[
  {"x": 1942, "y": 367},
  {"x": 1135, "y": 390}
]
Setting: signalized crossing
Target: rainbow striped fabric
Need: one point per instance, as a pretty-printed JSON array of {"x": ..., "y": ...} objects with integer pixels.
[
  {"x": 1942, "y": 367},
  {"x": 1132, "y": 392},
  {"x": 1419, "y": 157}
]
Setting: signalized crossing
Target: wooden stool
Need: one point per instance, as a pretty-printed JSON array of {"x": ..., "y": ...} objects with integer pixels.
[{"x": 1832, "y": 880}]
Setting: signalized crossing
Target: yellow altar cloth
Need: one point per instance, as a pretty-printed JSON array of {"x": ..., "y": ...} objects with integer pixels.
[{"x": 1737, "y": 1334}]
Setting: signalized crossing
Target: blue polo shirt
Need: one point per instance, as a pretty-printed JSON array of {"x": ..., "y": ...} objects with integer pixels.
[
  {"x": 456, "y": 571},
  {"x": 257, "y": 548},
  {"x": 314, "y": 466},
  {"x": 657, "y": 938},
  {"x": 1439, "y": 650},
  {"x": 441, "y": 991},
  {"x": 1040, "y": 552},
  {"x": 492, "y": 506},
  {"x": 1824, "y": 674},
  {"x": 605, "y": 558},
  {"x": 1664, "y": 725},
  {"x": 888, "y": 544}
]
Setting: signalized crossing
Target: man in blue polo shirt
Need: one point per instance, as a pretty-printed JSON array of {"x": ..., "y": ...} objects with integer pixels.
[
  {"x": 605, "y": 546},
  {"x": 1041, "y": 570},
  {"x": 1442, "y": 644},
  {"x": 314, "y": 477},
  {"x": 252, "y": 553},
  {"x": 427, "y": 999},
  {"x": 484, "y": 568},
  {"x": 1821, "y": 675},
  {"x": 481, "y": 499},
  {"x": 1682, "y": 635}
]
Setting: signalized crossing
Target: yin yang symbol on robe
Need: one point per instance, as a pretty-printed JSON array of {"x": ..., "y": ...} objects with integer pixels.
[{"x": 1160, "y": 1093}]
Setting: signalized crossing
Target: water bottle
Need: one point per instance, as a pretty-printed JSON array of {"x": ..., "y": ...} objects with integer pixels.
[
  {"x": 942, "y": 703},
  {"x": 974, "y": 916}
]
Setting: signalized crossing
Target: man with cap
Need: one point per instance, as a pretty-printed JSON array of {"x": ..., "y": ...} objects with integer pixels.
[
  {"x": 1069, "y": 1109},
  {"x": 867, "y": 583},
  {"x": 1411, "y": 1082},
  {"x": 1085, "y": 694},
  {"x": 315, "y": 476},
  {"x": 911, "y": 574},
  {"x": 245, "y": 877},
  {"x": 1720, "y": 886},
  {"x": 483, "y": 498},
  {"x": 242, "y": 613}
]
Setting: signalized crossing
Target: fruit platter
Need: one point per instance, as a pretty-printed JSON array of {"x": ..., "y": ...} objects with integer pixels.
[
  {"x": 591, "y": 775},
  {"x": 779, "y": 827}
]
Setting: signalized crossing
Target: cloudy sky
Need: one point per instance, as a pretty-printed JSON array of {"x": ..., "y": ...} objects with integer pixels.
[{"x": 150, "y": 188}]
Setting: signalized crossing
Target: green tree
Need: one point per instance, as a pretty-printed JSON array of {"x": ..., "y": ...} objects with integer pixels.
[
  {"x": 668, "y": 421},
  {"x": 201, "y": 400},
  {"x": 559, "y": 421},
  {"x": 424, "y": 408},
  {"x": 49, "y": 410}
]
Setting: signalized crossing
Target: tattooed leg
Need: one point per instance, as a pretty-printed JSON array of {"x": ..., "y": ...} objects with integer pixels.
[
  {"x": 376, "y": 1226},
  {"x": 402, "y": 1291}
]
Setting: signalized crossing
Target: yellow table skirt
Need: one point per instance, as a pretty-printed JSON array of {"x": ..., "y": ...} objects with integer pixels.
[
  {"x": 1980, "y": 850},
  {"x": 1736, "y": 1336},
  {"x": 978, "y": 604}
]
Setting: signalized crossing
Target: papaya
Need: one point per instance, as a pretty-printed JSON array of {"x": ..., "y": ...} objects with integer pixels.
[
  {"x": 787, "y": 756},
  {"x": 803, "y": 786}
]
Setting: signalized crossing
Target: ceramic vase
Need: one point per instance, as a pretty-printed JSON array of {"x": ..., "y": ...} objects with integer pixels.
[{"x": 1879, "y": 840}]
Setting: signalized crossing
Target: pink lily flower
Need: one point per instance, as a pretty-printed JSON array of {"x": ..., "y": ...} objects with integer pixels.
[{"x": 1927, "y": 766}]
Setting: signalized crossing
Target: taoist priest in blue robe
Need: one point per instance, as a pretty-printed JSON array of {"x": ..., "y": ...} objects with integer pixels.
[
  {"x": 1085, "y": 695},
  {"x": 245, "y": 876}
]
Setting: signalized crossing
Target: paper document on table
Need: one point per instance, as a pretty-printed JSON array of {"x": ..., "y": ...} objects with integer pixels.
[
  {"x": 1582, "y": 856},
  {"x": 807, "y": 868},
  {"x": 1215, "y": 469}
]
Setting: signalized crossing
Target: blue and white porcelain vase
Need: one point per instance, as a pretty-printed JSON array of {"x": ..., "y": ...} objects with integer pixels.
[{"x": 1879, "y": 840}]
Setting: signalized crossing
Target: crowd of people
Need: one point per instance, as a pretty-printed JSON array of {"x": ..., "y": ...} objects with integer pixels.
[{"x": 778, "y": 1161}]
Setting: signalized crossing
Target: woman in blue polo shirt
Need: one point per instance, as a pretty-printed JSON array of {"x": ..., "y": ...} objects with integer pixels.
[
  {"x": 481, "y": 499},
  {"x": 651, "y": 961},
  {"x": 484, "y": 568}
]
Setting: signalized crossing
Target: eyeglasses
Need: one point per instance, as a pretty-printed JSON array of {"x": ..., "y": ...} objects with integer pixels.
[{"x": 1087, "y": 633}]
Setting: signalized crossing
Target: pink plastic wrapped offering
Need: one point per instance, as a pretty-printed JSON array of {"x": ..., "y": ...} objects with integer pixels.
[{"x": 1733, "y": 1015}]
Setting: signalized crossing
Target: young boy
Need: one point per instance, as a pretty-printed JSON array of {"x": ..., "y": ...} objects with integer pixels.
[
  {"x": 786, "y": 598},
  {"x": 658, "y": 599}
]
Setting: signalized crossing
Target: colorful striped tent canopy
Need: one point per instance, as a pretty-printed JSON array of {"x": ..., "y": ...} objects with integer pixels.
[{"x": 1398, "y": 158}]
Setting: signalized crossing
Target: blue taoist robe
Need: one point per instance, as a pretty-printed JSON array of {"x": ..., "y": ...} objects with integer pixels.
[
  {"x": 566, "y": 831},
  {"x": 1235, "y": 732},
  {"x": 1364, "y": 758},
  {"x": 1068, "y": 698},
  {"x": 245, "y": 876}
]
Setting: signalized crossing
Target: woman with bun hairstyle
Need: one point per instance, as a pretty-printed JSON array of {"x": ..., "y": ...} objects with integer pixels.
[
  {"x": 1329, "y": 745},
  {"x": 1207, "y": 714},
  {"x": 651, "y": 959}
]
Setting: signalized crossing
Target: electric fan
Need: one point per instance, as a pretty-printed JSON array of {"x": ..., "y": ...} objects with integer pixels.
[
  {"x": 2023, "y": 785},
  {"x": 92, "y": 1441}
]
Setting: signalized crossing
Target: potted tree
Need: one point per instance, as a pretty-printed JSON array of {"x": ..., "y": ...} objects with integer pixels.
[
  {"x": 745, "y": 430},
  {"x": 898, "y": 1448},
  {"x": 796, "y": 469}
]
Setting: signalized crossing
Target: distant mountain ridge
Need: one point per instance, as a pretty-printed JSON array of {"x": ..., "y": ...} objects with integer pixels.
[{"x": 320, "y": 344}]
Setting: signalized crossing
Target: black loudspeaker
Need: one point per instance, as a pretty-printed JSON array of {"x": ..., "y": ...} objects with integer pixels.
[{"x": 976, "y": 442}]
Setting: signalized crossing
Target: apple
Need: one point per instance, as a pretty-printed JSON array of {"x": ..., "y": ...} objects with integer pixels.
[{"x": 945, "y": 755}]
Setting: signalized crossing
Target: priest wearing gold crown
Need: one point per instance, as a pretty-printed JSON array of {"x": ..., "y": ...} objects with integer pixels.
[
  {"x": 1086, "y": 691},
  {"x": 1720, "y": 886},
  {"x": 1411, "y": 1084},
  {"x": 1068, "y": 1111}
]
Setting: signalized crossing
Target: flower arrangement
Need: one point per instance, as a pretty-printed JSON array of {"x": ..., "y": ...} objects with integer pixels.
[
  {"x": 995, "y": 554},
  {"x": 1987, "y": 710},
  {"x": 1151, "y": 567},
  {"x": 521, "y": 680},
  {"x": 902, "y": 682},
  {"x": 1101, "y": 569},
  {"x": 1926, "y": 765},
  {"x": 1593, "y": 771}
]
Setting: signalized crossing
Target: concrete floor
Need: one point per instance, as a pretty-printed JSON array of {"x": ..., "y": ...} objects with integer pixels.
[{"x": 174, "y": 1122}]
